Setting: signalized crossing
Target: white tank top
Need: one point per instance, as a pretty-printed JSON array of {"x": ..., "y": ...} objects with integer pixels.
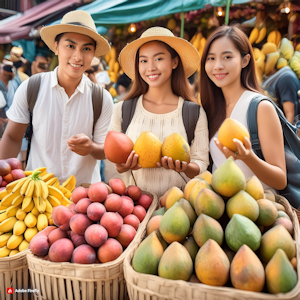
[{"x": 239, "y": 113}]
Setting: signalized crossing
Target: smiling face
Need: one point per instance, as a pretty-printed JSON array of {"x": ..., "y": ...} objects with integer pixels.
[
  {"x": 224, "y": 63},
  {"x": 156, "y": 64},
  {"x": 75, "y": 53}
]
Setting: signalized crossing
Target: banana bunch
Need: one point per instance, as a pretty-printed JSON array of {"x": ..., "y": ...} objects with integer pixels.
[
  {"x": 294, "y": 63},
  {"x": 113, "y": 64},
  {"x": 274, "y": 37},
  {"x": 26, "y": 208},
  {"x": 198, "y": 42},
  {"x": 257, "y": 35},
  {"x": 286, "y": 49}
]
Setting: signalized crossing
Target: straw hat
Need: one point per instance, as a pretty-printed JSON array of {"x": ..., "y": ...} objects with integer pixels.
[
  {"x": 77, "y": 21},
  {"x": 189, "y": 55}
]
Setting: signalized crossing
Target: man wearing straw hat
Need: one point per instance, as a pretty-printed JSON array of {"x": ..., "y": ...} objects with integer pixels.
[{"x": 64, "y": 139}]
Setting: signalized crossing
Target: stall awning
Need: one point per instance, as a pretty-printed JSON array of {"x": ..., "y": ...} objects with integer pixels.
[{"x": 20, "y": 26}]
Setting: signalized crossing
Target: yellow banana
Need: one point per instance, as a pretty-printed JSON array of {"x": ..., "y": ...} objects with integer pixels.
[
  {"x": 51, "y": 181},
  {"x": 25, "y": 186},
  {"x": 8, "y": 224},
  {"x": 65, "y": 191},
  {"x": 4, "y": 251},
  {"x": 53, "y": 201},
  {"x": 3, "y": 193},
  {"x": 30, "y": 233},
  {"x": 37, "y": 189},
  {"x": 11, "y": 211},
  {"x": 43, "y": 171},
  {"x": 26, "y": 203},
  {"x": 10, "y": 186},
  {"x": 30, "y": 189},
  {"x": 28, "y": 173},
  {"x": 7, "y": 200},
  {"x": 2, "y": 207},
  {"x": 3, "y": 216},
  {"x": 42, "y": 222},
  {"x": 262, "y": 35},
  {"x": 18, "y": 200},
  {"x": 13, "y": 252},
  {"x": 24, "y": 244},
  {"x": 30, "y": 220},
  {"x": 19, "y": 228},
  {"x": 20, "y": 214},
  {"x": 65, "y": 201},
  {"x": 14, "y": 241},
  {"x": 49, "y": 207},
  {"x": 40, "y": 204},
  {"x": 49, "y": 218},
  {"x": 19, "y": 184},
  {"x": 47, "y": 177},
  {"x": 70, "y": 183},
  {"x": 4, "y": 238},
  {"x": 35, "y": 211},
  {"x": 253, "y": 35},
  {"x": 56, "y": 184},
  {"x": 29, "y": 207},
  {"x": 53, "y": 191},
  {"x": 44, "y": 188}
]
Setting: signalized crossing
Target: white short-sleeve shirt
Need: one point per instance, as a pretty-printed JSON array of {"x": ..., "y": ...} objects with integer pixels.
[{"x": 56, "y": 118}]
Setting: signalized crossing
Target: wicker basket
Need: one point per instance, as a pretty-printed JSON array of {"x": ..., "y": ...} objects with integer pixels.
[
  {"x": 14, "y": 273},
  {"x": 142, "y": 286},
  {"x": 69, "y": 281}
]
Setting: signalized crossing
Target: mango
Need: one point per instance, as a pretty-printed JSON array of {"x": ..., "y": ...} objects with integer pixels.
[
  {"x": 246, "y": 271},
  {"x": 117, "y": 147},
  {"x": 228, "y": 179},
  {"x": 232, "y": 129},
  {"x": 268, "y": 194},
  {"x": 192, "y": 247},
  {"x": 206, "y": 175},
  {"x": 153, "y": 224},
  {"x": 159, "y": 212},
  {"x": 282, "y": 214},
  {"x": 197, "y": 189},
  {"x": 61, "y": 250},
  {"x": 176, "y": 147},
  {"x": 109, "y": 251},
  {"x": 267, "y": 213},
  {"x": 173, "y": 196},
  {"x": 254, "y": 188},
  {"x": 148, "y": 254},
  {"x": 189, "y": 186},
  {"x": 276, "y": 238},
  {"x": 239, "y": 231},
  {"x": 148, "y": 147},
  {"x": 280, "y": 274},
  {"x": 176, "y": 263},
  {"x": 126, "y": 235},
  {"x": 286, "y": 223},
  {"x": 206, "y": 228},
  {"x": 188, "y": 210},
  {"x": 209, "y": 203},
  {"x": 244, "y": 204},
  {"x": 212, "y": 264},
  {"x": 174, "y": 224}
]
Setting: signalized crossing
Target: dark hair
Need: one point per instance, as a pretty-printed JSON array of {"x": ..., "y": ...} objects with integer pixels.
[
  {"x": 59, "y": 36},
  {"x": 211, "y": 96},
  {"x": 180, "y": 84}
]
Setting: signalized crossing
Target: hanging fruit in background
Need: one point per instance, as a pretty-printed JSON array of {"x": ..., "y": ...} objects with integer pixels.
[
  {"x": 262, "y": 34},
  {"x": 171, "y": 24},
  {"x": 253, "y": 35}
]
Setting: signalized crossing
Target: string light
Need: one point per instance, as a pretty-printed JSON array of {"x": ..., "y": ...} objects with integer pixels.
[
  {"x": 132, "y": 28},
  {"x": 220, "y": 12},
  {"x": 287, "y": 8}
]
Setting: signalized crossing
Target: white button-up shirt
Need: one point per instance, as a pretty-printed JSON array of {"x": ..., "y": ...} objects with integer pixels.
[{"x": 56, "y": 118}]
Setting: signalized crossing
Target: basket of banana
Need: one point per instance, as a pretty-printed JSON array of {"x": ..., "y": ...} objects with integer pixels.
[{"x": 25, "y": 209}]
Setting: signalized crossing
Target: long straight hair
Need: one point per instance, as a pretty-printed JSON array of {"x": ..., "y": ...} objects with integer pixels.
[
  {"x": 179, "y": 83},
  {"x": 211, "y": 96}
]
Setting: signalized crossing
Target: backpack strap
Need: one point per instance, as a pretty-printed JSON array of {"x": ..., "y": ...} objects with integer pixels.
[
  {"x": 128, "y": 109},
  {"x": 190, "y": 116},
  {"x": 32, "y": 93},
  {"x": 97, "y": 100}
]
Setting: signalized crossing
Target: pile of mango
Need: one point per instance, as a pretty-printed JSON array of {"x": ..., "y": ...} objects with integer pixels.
[
  {"x": 276, "y": 50},
  {"x": 221, "y": 230},
  {"x": 26, "y": 208}
]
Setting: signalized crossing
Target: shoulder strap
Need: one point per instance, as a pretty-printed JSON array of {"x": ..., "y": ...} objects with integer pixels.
[
  {"x": 97, "y": 100},
  {"x": 128, "y": 109},
  {"x": 190, "y": 116},
  {"x": 33, "y": 90}
]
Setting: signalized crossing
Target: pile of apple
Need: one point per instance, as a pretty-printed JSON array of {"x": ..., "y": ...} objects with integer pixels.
[
  {"x": 97, "y": 227},
  {"x": 10, "y": 170}
]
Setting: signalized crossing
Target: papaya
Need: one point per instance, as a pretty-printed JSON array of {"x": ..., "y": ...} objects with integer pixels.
[
  {"x": 188, "y": 210},
  {"x": 176, "y": 263},
  {"x": 276, "y": 238},
  {"x": 244, "y": 204},
  {"x": 159, "y": 212},
  {"x": 267, "y": 213},
  {"x": 232, "y": 129},
  {"x": 246, "y": 271},
  {"x": 173, "y": 196},
  {"x": 148, "y": 254},
  {"x": 189, "y": 186},
  {"x": 197, "y": 189},
  {"x": 174, "y": 224},
  {"x": 280, "y": 274},
  {"x": 212, "y": 264},
  {"x": 153, "y": 224},
  {"x": 228, "y": 179},
  {"x": 209, "y": 203},
  {"x": 206, "y": 228},
  {"x": 191, "y": 246},
  {"x": 206, "y": 175},
  {"x": 239, "y": 231},
  {"x": 254, "y": 188}
]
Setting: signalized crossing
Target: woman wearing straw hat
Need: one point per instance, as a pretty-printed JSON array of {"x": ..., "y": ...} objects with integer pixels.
[
  {"x": 159, "y": 64},
  {"x": 63, "y": 138}
]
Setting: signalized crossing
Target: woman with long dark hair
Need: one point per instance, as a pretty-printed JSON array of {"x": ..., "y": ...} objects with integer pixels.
[
  {"x": 227, "y": 85},
  {"x": 159, "y": 64}
]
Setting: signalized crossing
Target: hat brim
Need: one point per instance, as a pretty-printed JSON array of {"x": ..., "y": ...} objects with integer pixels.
[
  {"x": 49, "y": 33},
  {"x": 189, "y": 55}
]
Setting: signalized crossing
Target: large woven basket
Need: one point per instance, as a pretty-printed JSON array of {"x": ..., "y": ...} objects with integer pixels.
[
  {"x": 70, "y": 281},
  {"x": 14, "y": 273},
  {"x": 142, "y": 286}
]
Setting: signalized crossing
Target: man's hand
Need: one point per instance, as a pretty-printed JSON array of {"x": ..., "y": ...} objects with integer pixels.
[
  {"x": 169, "y": 164},
  {"x": 80, "y": 144}
]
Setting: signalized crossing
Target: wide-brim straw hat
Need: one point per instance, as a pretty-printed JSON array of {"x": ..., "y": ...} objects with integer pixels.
[
  {"x": 189, "y": 55},
  {"x": 77, "y": 21}
]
